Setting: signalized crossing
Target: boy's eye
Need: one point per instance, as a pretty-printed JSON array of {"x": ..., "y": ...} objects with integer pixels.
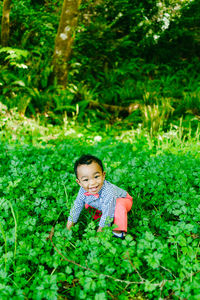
[
  {"x": 97, "y": 176},
  {"x": 85, "y": 179}
]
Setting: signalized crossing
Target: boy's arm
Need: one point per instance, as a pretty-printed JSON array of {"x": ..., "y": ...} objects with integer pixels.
[{"x": 76, "y": 210}]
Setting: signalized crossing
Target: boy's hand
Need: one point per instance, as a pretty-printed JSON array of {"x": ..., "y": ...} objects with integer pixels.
[
  {"x": 99, "y": 229},
  {"x": 69, "y": 225}
]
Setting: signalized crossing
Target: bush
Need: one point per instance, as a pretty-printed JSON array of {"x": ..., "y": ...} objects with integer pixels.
[{"x": 159, "y": 256}]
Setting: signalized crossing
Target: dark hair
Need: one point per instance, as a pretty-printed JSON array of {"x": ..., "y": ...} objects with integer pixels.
[{"x": 87, "y": 159}]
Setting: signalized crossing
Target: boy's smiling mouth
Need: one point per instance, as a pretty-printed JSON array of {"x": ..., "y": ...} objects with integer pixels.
[{"x": 94, "y": 189}]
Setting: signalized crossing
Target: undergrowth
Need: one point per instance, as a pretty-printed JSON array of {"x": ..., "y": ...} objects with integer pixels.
[{"x": 40, "y": 259}]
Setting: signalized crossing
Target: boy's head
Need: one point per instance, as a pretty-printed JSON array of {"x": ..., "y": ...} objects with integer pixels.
[{"x": 89, "y": 173}]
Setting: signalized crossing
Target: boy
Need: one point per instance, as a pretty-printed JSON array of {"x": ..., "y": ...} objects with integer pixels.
[{"x": 95, "y": 192}]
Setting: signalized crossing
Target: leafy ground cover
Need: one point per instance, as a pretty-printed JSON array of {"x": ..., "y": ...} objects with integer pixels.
[{"x": 159, "y": 258}]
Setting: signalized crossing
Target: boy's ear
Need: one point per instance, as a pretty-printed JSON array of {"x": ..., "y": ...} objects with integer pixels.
[
  {"x": 104, "y": 174},
  {"x": 77, "y": 180}
]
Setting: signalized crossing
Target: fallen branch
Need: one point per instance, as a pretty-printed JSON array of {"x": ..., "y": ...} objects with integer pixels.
[
  {"x": 115, "y": 108},
  {"x": 141, "y": 278}
]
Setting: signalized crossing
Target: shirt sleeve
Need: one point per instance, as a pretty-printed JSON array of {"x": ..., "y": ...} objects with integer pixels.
[
  {"x": 77, "y": 207},
  {"x": 107, "y": 213}
]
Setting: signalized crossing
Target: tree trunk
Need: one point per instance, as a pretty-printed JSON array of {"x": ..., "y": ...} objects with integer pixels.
[
  {"x": 5, "y": 23},
  {"x": 64, "y": 39}
]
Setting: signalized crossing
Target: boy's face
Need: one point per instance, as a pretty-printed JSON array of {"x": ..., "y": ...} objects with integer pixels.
[{"x": 90, "y": 177}]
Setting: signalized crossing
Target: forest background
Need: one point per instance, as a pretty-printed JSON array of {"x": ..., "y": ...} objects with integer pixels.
[
  {"x": 119, "y": 79},
  {"x": 132, "y": 61}
]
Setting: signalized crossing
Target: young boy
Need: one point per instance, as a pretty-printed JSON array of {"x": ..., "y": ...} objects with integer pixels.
[{"x": 95, "y": 192}]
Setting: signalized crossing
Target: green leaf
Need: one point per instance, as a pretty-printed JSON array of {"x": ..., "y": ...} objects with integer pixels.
[
  {"x": 149, "y": 287},
  {"x": 100, "y": 296},
  {"x": 68, "y": 270}
]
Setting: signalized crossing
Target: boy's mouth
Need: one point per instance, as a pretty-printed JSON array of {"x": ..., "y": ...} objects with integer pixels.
[{"x": 94, "y": 189}]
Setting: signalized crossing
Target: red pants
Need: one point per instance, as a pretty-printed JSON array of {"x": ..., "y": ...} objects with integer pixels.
[{"x": 123, "y": 205}]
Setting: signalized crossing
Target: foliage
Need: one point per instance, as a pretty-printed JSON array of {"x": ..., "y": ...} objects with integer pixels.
[
  {"x": 159, "y": 257},
  {"x": 24, "y": 88},
  {"x": 125, "y": 53},
  {"x": 34, "y": 25},
  {"x": 115, "y": 31}
]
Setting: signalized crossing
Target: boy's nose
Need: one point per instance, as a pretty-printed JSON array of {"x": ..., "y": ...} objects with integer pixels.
[{"x": 92, "y": 181}]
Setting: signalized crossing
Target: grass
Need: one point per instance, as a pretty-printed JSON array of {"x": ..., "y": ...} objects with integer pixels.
[{"x": 159, "y": 259}]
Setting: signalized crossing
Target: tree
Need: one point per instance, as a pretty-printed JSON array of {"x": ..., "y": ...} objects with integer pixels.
[
  {"x": 64, "y": 39},
  {"x": 5, "y": 23}
]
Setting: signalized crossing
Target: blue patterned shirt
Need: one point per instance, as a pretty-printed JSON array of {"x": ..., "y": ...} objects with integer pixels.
[{"x": 105, "y": 203}]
